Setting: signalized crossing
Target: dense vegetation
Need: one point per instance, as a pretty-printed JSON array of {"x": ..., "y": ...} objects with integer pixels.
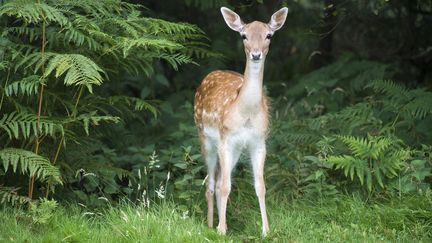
[
  {"x": 96, "y": 109},
  {"x": 340, "y": 219}
]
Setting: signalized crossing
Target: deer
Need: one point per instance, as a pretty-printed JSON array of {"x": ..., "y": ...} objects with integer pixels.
[{"x": 231, "y": 115}]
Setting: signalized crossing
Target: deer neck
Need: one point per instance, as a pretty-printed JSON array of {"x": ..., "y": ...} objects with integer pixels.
[{"x": 251, "y": 94}]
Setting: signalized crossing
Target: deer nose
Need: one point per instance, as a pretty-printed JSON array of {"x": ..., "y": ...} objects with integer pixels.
[{"x": 256, "y": 56}]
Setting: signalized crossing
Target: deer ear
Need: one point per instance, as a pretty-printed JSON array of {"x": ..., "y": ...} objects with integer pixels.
[
  {"x": 232, "y": 19},
  {"x": 278, "y": 19}
]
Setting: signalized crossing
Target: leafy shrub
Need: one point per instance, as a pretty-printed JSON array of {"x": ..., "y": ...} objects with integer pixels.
[
  {"x": 55, "y": 55},
  {"x": 344, "y": 116},
  {"x": 42, "y": 211},
  {"x": 371, "y": 159}
]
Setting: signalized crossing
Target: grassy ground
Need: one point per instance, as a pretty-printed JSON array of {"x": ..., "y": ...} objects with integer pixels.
[{"x": 341, "y": 219}]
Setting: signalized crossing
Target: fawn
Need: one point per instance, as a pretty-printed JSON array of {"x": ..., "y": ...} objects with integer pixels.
[{"x": 231, "y": 114}]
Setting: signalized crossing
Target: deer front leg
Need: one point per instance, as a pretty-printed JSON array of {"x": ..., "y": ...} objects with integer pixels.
[
  {"x": 224, "y": 183},
  {"x": 258, "y": 154}
]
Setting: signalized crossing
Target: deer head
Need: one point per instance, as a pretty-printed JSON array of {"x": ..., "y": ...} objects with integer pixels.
[{"x": 256, "y": 35}]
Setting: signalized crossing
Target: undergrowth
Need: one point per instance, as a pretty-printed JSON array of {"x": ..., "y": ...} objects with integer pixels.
[{"x": 337, "y": 219}]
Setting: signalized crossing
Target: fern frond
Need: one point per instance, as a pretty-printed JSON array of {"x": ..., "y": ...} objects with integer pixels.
[
  {"x": 200, "y": 51},
  {"x": 10, "y": 195},
  {"x": 83, "y": 31},
  {"x": 302, "y": 137},
  {"x": 23, "y": 124},
  {"x": 391, "y": 163},
  {"x": 79, "y": 69},
  {"x": 370, "y": 147},
  {"x": 31, "y": 33},
  {"x": 352, "y": 166},
  {"x": 176, "y": 59},
  {"x": 420, "y": 105},
  {"x": 4, "y": 65},
  {"x": 93, "y": 119},
  {"x": 30, "y": 164},
  {"x": 157, "y": 26},
  {"x": 390, "y": 88},
  {"x": 33, "y": 12},
  {"x": 127, "y": 44},
  {"x": 360, "y": 146},
  {"x": 410, "y": 103},
  {"x": 373, "y": 158},
  {"x": 95, "y": 167},
  {"x": 127, "y": 28},
  {"x": 362, "y": 110},
  {"x": 35, "y": 59},
  {"x": 137, "y": 103},
  {"x": 97, "y": 9},
  {"x": 26, "y": 86},
  {"x": 380, "y": 144}
]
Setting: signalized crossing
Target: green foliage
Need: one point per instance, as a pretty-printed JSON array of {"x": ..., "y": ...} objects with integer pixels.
[
  {"x": 24, "y": 125},
  {"x": 411, "y": 104},
  {"x": 33, "y": 12},
  {"x": 370, "y": 132},
  {"x": 340, "y": 218},
  {"x": 137, "y": 103},
  {"x": 27, "y": 86},
  {"x": 92, "y": 118},
  {"x": 42, "y": 211},
  {"x": 10, "y": 195},
  {"x": 30, "y": 164},
  {"x": 57, "y": 59},
  {"x": 371, "y": 159},
  {"x": 79, "y": 70}
]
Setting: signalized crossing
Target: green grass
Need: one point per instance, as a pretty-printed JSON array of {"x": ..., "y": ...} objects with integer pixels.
[{"x": 340, "y": 219}]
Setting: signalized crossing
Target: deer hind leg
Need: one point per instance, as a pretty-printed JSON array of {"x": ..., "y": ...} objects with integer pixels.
[
  {"x": 210, "y": 154},
  {"x": 228, "y": 157},
  {"x": 258, "y": 153}
]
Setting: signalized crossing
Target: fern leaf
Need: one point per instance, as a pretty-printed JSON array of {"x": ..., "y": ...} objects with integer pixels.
[
  {"x": 93, "y": 119},
  {"x": 23, "y": 124},
  {"x": 360, "y": 146},
  {"x": 79, "y": 69},
  {"x": 389, "y": 164},
  {"x": 378, "y": 176},
  {"x": 137, "y": 103},
  {"x": 379, "y": 145},
  {"x": 83, "y": 31},
  {"x": 127, "y": 44},
  {"x": 30, "y": 164},
  {"x": 419, "y": 107},
  {"x": 176, "y": 59},
  {"x": 4, "y": 65},
  {"x": 26, "y": 86},
  {"x": 33, "y": 12},
  {"x": 157, "y": 26},
  {"x": 390, "y": 88},
  {"x": 10, "y": 195}
]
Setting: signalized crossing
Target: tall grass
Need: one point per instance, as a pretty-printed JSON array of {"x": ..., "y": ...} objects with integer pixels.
[{"x": 341, "y": 219}]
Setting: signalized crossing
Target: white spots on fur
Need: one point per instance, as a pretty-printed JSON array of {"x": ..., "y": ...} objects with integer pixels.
[
  {"x": 226, "y": 101},
  {"x": 214, "y": 96}
]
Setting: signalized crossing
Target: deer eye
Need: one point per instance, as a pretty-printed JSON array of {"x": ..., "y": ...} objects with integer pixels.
[
  {"x": 243, "y": 36},
  {"x": 269, "y": 36}
]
